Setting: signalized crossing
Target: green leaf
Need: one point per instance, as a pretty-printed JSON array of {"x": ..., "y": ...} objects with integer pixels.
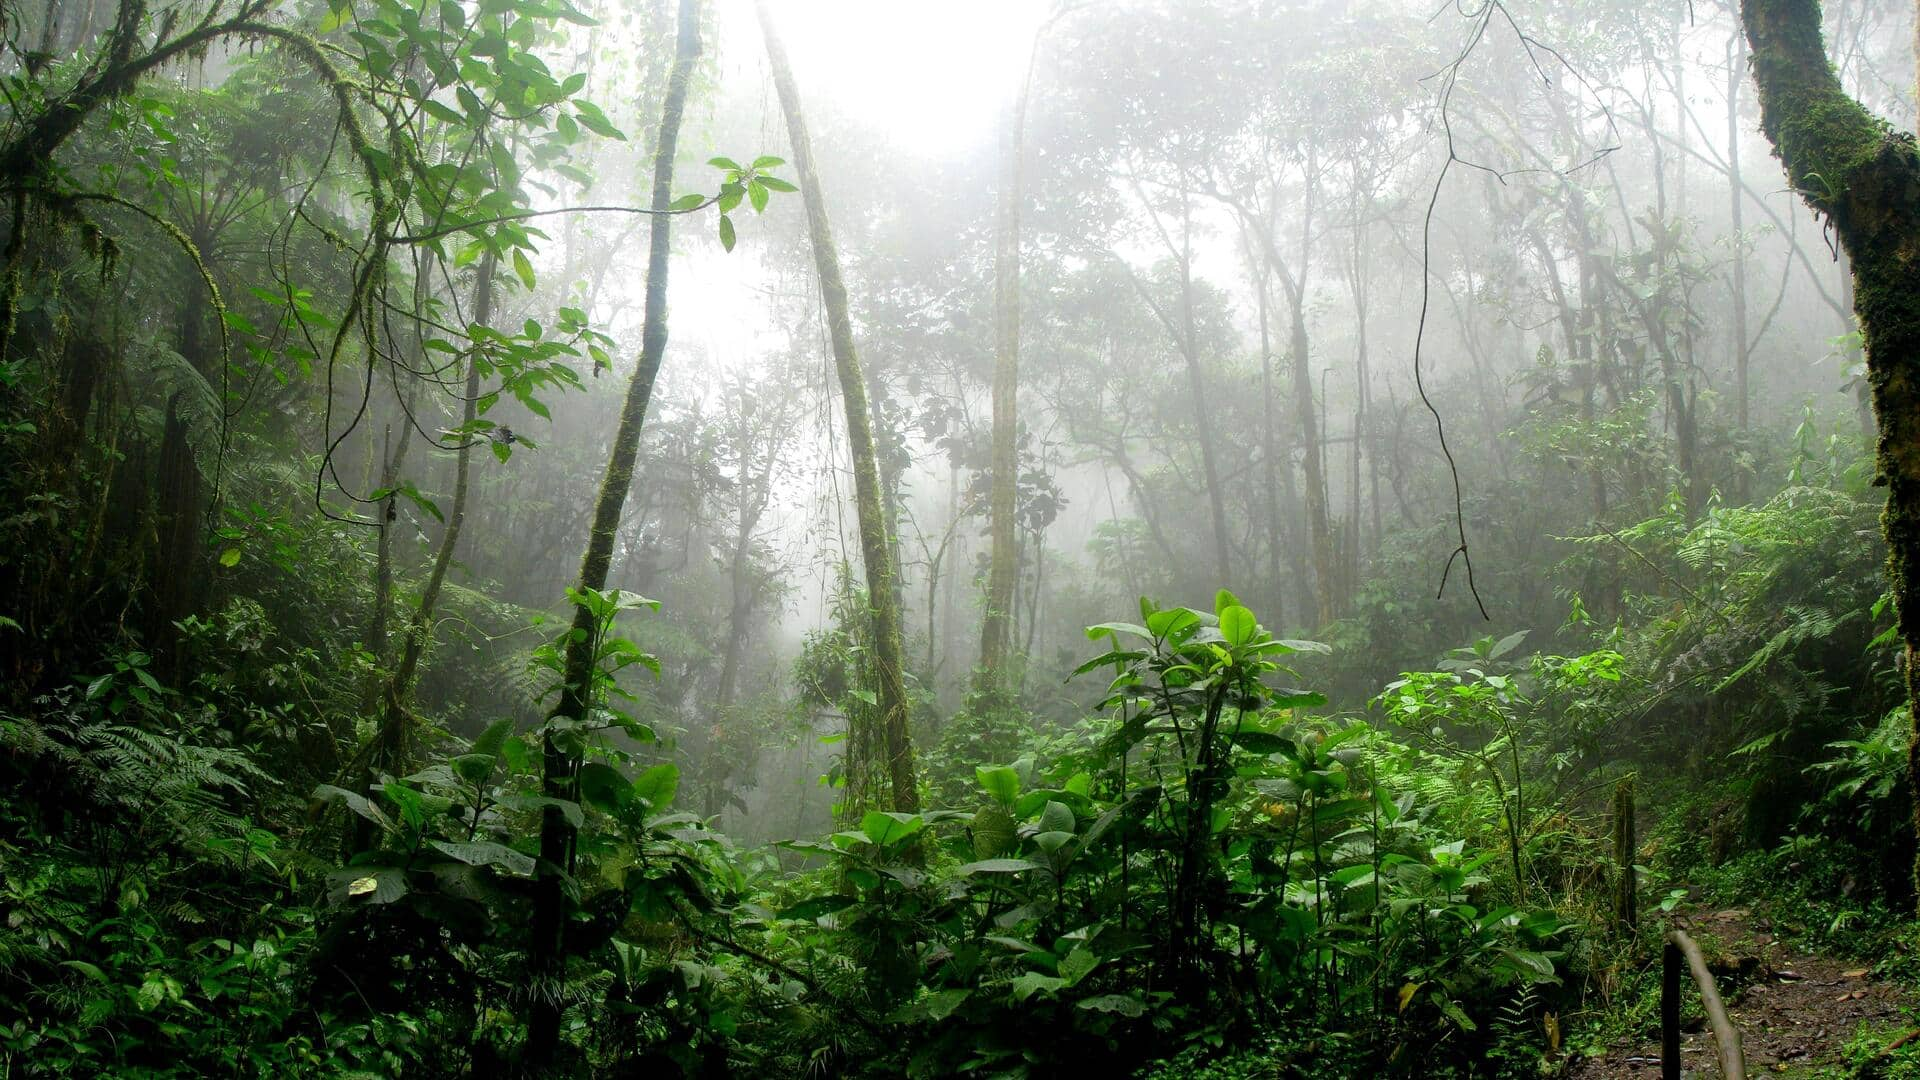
[
  {"x": 764, "y": 161},
  {"x": 1000, "y": 781},
  {"x": 774, "y": 183},
  {"x": 1057, "y": 817},
  {"x": 658, "y": 786},
  {"x": 993, "y": 830},
  {"x": 569, "y": 810},
  {"x": 757, "y": 195},
  {"x": 490, "y": 740},
  {"x": 367, "y": 884},
  {"x": 1078, "y": 964},
  {"x": 1237, "y": 624},
  {"x": 523, "y": 267},
  {"x": 1507, "y": 644},
  {"x": 996, "y": 866},
  {"x": 84, "y": 968},
  {"x": 726, "y": 232},
  {"x": 487, "y": 853},
  {"x": 687, "y": 202},
  {"x": 1122, "y": 1004},
  {"x": 885, "y": 827},
  {"x": 602, "y": 786},
  {"x": 355, "y": 802},
  {"x": 1533, "y": 965},
  {"x": 725, "y": 163},
  {"x": 230, "y": 557},
  {"x": 940, "y": 1004},
  {"x": 815, "y": 906},
  {"x": 595, "y": 121},
  {"x": 1261, "y": 742},
  {"x": 1033, "y": 982}
]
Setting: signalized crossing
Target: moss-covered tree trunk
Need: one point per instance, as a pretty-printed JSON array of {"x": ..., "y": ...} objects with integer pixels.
[
  {"x": 1002, "y": 502},
  {"x": 1864, "y": 176},
  {"x": 875, "y": 549},
  {"x": 546, "y": 953}
]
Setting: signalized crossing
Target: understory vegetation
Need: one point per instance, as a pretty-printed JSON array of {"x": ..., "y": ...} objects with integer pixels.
[{"x": 1271, "y": 540}]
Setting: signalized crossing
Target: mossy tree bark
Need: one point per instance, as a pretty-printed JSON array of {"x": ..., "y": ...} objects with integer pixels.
[
  {"x": 552, "y": 910},
  {"x": 1861, "y": 174},
  {"x": 1002, "y": 503},
  {"x": 875, "y": 548}
]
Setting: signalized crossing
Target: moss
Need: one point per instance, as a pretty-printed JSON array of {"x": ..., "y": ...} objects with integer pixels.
[{"x": 1850, "y": 165}]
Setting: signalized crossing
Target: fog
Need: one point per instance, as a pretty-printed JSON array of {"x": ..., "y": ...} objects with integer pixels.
[
  {"x": 1592, "y": 164},
  {"x": 1486, "y": 343}
]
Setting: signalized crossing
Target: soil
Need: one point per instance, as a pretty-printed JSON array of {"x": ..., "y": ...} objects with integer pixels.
[{"x": 1794, "y": 1010}]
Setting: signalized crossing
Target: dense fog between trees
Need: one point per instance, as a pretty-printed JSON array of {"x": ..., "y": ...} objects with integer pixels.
[{"x": 1110, "y": 518}]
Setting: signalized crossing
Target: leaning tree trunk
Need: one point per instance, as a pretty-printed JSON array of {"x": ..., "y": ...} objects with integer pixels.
[
  {"x": 546, "y": 956},
  {"x": 875, "y": 550},
  {"x": 1863, "y": 176}
]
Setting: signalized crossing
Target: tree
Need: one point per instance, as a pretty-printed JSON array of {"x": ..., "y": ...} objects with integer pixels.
[
  {"x": 560, "y": 758},
  {"x": 1003, "y": 569},
  {"x": 1863, "y": 175},
  {"x": 876, "y": 547}
]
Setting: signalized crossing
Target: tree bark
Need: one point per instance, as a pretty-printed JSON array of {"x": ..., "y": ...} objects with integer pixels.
[
  {"x": 1002, "y": 501},
  {"x": 875, "y": 547},
  {"x": 1736, "y": 205},
  {"x": 546, "y": 949},
  {"x": 393, "y": 743},
  {"x": 1864, "y": 176}
]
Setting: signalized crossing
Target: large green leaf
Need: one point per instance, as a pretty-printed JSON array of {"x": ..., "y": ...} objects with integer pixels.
[
  {"x": 1057, "y": 817},
  {"x": 1001, "y": 781},
  {"x": 885, "y": 827},
  {"x": 996, "y": 866},
  {"x": 486, "y": 853},
  {"x": 367, "y": 885},
  {"x": 658, "y": 785},
  {"x": 1237, "y": 625},
  {"x": 1122, "y": 1004}
]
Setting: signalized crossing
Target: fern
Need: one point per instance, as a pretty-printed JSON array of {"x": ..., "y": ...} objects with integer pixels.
[
  {"x": 168, "y": 380},
  {"x": 163, "y": 783}
]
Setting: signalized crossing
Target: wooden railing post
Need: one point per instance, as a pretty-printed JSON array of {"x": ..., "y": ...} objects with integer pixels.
[
  {"x": 1669, "y": 1010},
  {"x": 1677, "y": 946},
  {"x": 1626, "y": 895}
]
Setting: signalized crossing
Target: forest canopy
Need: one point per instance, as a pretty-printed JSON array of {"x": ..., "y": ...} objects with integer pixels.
[{"x": 1161, "y": 538}]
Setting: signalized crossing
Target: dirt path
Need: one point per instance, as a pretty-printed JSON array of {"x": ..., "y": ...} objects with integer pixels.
[{"x": 1794, "y": 1010}]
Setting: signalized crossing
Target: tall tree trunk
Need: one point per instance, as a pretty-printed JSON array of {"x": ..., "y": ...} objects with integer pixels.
[
  {"x": 875, "y": 547},
  {"x": 1203, "y": 427},
  {"x": 179, "y": 524},
  {"x": 546, "y": 958},
  {"x": 1357, "y": 282},
  {"x": 1736, "y": 201},
  {"x": 1852, "y": 167},
  {"x": 393, "y": 743},
  {"x": 1320, "y": 531},
  {"x": 1002, "y": 504},
  {"x": 742, "y": 589},
  {"x": 1269, "y": 448}
]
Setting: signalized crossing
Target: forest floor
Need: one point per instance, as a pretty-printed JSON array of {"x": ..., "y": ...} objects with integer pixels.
[{"x": 1796, "y": 1011}]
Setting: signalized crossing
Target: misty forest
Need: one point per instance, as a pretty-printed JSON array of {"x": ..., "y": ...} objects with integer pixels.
[{"x": 1026, "y": 538}]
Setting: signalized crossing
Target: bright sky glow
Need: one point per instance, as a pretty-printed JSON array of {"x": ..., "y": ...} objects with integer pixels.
[{"x": 931, "y": 75}]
